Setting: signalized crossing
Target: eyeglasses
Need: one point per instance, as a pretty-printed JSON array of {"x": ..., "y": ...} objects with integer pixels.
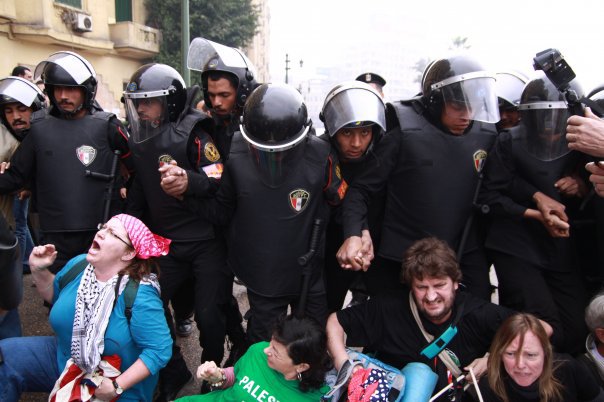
[{"x": 103, "y": 226}]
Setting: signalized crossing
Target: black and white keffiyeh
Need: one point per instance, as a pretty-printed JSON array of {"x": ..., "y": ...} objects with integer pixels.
[{"x": 94, "y": 304}]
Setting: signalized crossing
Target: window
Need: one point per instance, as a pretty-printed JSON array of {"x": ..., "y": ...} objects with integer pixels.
[
  {"x": 73, "y": 3},
  {"x": 123, "y": 10}
]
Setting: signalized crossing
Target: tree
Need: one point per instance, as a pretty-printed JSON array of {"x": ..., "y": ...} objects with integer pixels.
[
  {"x": 460, "y": 43},
  {"x": 229, "y": 22},
  {"x": 420, "y": 66}
]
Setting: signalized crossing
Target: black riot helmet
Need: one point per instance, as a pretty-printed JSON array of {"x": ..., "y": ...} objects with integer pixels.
[
  {"x": 354, "y": 104},
  {"x": 208, "y": 57},
  {"x": 19, "y": 90},
  {"x": 460, "y": 80},
  {"x": 275, "y": 125},
  {"x": 597, "y": 96},
  {"x": 155, "y": 95},
  {"x": 544, "y": 113},
  {"x": 67, "y": 69}
]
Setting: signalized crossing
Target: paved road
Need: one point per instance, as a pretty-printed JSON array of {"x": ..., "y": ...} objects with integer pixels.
[{"x": 34, "y": 317}]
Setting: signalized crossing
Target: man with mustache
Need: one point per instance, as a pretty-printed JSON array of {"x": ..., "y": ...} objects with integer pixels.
[
  {"x": 459, "y": 325},
  {"x": 431, "y": 166},
  {"x": 72, "y": 137}
]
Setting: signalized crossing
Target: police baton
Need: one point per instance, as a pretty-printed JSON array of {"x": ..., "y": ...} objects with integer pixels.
[
  {"x": 483, "y": 208},
  {"x": 110, "y": 179},
  {"x": 305, "y": 261}
]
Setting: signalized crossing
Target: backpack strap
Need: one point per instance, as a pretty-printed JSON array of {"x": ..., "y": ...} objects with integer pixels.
[
  {"x": 129, "y": 295},
  {"x": 75, "y": 270}
]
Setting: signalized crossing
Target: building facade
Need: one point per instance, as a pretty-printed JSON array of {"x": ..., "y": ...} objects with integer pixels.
[
  {"x": 259, "y": 48},
  {"x": 109, "y": 33}
]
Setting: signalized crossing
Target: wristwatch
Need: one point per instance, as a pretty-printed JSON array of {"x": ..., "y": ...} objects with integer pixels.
[{"x": 118, "y": 390}]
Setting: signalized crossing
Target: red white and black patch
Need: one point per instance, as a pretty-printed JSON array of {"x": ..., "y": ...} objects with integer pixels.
[
  {"x": 480, "y": 157},
  {"x": 86, "y": 154},
  {"x": 298, "y": 199}
]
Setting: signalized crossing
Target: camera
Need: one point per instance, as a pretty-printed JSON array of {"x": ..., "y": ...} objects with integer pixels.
[{"x": 557, "y": 70}]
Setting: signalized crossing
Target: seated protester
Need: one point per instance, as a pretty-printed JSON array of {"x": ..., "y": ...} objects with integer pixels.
[
  {"x": 593, "y": 359},
  {"x": 291, "y": 367},
  {"x": 523, "y": 368},
  {"x": 94, "y": 326},
  {"x": 400, "y": 326}
]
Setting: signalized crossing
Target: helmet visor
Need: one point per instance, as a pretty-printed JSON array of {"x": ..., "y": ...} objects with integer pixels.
[
  {"x": 275, "y": 167},
  {"x": 147, "y": 113},
  {"x": 77, "y": 67},
  {"x": 474, "y": 92},
  {"x": 202, "y": 51},
  {"x": 350, "y": 105},
  {"x": 19, "y": 90},
  {"x": 545, "y": 134}
]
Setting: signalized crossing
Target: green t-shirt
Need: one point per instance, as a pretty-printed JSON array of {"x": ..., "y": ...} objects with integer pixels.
[{"x": 255, "y": 381}]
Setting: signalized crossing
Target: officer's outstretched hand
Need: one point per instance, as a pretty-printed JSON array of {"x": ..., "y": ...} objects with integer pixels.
[
  {"x": 586, "y": 134},
  {"x": 4, "y": 166},
  {"x": 597, "y": 176},
  {"x": 350, "y": 255},
  {"x": 174, "y": 179}
]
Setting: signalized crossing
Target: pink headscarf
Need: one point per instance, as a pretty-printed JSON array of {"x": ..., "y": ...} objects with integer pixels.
[{"x": 143, "y": 240}]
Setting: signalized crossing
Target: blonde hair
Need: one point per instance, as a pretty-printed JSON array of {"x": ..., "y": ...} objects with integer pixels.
[{"x": 517, "y": 326}]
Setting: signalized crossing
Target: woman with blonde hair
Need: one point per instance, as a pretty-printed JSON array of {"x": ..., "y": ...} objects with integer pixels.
[{"x": 523, "y": 368}]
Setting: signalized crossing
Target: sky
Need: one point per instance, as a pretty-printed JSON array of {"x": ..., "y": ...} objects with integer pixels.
[{"x": 502, "y": 35}]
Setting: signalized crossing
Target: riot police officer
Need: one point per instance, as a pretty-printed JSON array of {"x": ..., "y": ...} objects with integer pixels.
[
  {"x": 509, "y": 86},
  {"x": 430, "y": 165},
  {"x": 166, "y": 127},
  {"x": 227, "y": 79},
  {"x": 277, "y": 181},
  {"x": 72, "y": 137},
  {"x": 19, "y": 99},
  {"x": 355, "y": 120},
  {"x": 533, "y": 185}
]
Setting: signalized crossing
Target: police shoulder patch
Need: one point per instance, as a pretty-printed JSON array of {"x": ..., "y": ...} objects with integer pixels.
[
  {"x": 480, "y": 157},
  {"x": 211, "y": 152},
  {"x": 86, "y": 154},
  {"x": 298, "y": 199}
]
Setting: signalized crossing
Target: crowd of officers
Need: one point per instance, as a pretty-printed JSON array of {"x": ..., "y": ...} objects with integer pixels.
[{"x": 235, "y": 176}]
